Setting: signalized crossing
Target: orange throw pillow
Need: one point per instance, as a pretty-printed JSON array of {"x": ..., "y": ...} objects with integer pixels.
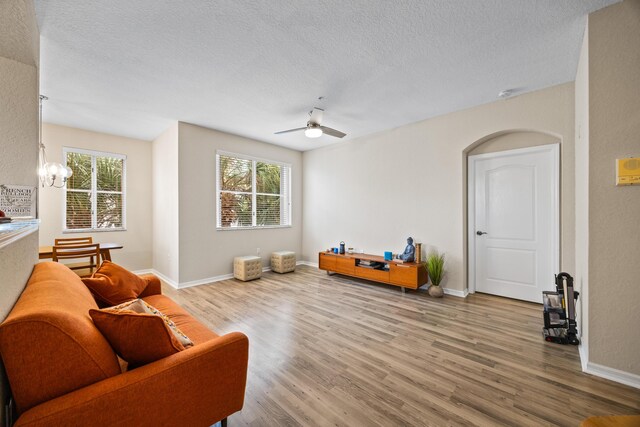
[
  {"x": 114, "y": 284},
  {"x": 136, "y": 336}
]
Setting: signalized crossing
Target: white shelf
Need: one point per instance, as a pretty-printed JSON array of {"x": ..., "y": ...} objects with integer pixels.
[{"x": 16, "y": 230}]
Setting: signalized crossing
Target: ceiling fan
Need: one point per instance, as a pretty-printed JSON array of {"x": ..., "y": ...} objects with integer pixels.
[{"x": 314, "y": 128}]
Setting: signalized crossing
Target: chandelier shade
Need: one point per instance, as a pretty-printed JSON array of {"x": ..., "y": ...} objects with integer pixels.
[{"x": 51, "y": 174}]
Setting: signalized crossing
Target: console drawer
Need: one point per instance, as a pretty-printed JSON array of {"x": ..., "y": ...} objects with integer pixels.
[
  {"x": 345, "y": 265},
  {"x": 327, "y": 262},
  {"x": 403, "y": 275},
  {"x": 371, "y": 274}
]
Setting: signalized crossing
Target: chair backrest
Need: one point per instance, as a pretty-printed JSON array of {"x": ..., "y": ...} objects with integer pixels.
[
  {"x": 73, "y": 241},
  {"x": 76, "y": 252},
  {"x": 73, "y": 252}
]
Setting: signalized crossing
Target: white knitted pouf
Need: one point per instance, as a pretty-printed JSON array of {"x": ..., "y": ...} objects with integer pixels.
[
  {"x": 247, "y": 268},
  {"x": 283, "y": 261}
]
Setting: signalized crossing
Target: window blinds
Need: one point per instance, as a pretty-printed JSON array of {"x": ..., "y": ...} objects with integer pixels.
[
  {"x": 252, "y": 192},
  {"x": 95, "y": 196}
]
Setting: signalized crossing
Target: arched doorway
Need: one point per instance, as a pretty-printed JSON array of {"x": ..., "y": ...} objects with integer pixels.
[{"x": 513, "y": 214}]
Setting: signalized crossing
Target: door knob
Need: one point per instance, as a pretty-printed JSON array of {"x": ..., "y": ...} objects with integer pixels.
[{"x": 480, "y": 233}]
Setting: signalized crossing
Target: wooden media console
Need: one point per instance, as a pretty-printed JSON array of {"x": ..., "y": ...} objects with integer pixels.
[{"x": 406, "y": 275}]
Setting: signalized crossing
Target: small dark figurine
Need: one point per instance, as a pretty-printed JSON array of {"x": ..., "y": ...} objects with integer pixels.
[{"x": 409, "y": 252}]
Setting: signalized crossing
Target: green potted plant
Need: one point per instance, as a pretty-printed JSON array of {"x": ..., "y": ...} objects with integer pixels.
[{"x": 435, "y": 268}]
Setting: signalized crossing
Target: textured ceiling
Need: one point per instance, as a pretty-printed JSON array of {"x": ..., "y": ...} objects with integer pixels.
[
  {"x": 256, "y": 67},
  {"x": 18, "y": 27}
]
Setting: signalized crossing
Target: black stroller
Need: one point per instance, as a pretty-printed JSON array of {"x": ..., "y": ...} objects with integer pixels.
[{"x": 560, "y": 324}]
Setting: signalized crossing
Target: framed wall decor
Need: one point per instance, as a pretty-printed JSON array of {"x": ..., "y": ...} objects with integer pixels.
[{"x": 18, "y": 201}]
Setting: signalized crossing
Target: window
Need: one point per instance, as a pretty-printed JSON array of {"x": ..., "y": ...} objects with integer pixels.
[
  {"x": 252, "y": 193},
  {"x": 95, "y": 193}
]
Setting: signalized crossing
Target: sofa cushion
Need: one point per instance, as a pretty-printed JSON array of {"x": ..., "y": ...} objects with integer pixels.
[
  {"x": 137, "y": 335},
  {"x": 142, "y": 307},
  {"x": 196, "y": 331},
  {"x": 114, "y": 284},
  {"x": 180, "y": 336},
  {"x": 48, "y": 343}
]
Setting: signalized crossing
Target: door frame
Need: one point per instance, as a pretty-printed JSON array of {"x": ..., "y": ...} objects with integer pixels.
[{"x": 554, "y": 149}]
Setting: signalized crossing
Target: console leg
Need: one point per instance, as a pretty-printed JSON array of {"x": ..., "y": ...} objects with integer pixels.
[
  {"x": 403, "y": 290},
  {"x": 330, "y": 273},
  {"x": 223, "y": 422}
]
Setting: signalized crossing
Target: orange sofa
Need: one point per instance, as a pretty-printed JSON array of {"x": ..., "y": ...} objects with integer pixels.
[{"x": 62, "y": 371}]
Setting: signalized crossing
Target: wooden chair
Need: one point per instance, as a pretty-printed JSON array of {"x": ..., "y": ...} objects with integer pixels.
[
  {"x": 73, "y": 241},
  {"x": 73, "y": 252}
]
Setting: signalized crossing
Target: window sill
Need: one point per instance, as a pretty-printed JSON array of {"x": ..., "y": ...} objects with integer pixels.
[
  {"x": 93, "y": 230},
  {"x": 266, "y": 227}
]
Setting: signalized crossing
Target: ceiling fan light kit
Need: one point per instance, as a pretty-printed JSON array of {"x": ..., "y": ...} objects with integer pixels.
[
  {"x": 504, "y": 94},
  {"x": 314, "y": 128},
  {"x": 313, "y": 131}
]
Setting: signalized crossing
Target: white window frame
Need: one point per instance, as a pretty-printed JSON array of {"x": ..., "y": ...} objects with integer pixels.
[
  {"x": 94, "y": 191},
  {"x": 254, "y": 194}
]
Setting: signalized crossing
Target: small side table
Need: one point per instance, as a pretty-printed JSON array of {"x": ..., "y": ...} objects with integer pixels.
[
  {"x": 247, "y": 268},
  {"x": 283, "y": 261}
]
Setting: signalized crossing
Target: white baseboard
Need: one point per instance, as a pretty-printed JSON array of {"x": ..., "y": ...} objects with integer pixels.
[
  {"x": 456, "y": 293},
  {"x": 205, "y": 281},
  {"x": 622, "y": 377},
  {"x": 584, "y": 356},
  {"x": 308, "y": 263},
  {"x": 164, "y": 278},
  {"x": 191, "y": 283}
]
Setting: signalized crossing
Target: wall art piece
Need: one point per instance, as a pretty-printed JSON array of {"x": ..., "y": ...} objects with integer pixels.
[{"x": 18, "y": 201}]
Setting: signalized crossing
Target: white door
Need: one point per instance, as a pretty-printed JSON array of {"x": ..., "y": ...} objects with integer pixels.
[{"x": 514, "y": 222}]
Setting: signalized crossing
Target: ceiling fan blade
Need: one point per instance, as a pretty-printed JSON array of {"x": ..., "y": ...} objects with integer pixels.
[
  {"x": 290, "y": 130},
  {"x": 332, "y": 132},
  {"x": 316, "y": 115}
]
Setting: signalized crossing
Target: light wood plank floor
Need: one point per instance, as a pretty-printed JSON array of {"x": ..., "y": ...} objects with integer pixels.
[{"x": 331, "y": 350}]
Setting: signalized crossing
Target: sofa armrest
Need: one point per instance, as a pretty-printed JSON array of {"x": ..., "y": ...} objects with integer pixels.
[
  {"x": 195, "y": 387},
  {"x": 154, "y": 287}
]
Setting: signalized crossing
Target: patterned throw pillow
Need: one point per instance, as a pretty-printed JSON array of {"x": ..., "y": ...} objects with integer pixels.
[
  {"x": 141, "y": 306},
  {"x": 139, "y": 333}
]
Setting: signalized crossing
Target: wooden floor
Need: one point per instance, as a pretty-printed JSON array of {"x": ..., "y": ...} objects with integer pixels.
[{"x": 331, "y": 350}]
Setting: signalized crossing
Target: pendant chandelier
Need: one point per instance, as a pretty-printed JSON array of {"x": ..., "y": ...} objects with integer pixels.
[{"x": 51, "y": 174}]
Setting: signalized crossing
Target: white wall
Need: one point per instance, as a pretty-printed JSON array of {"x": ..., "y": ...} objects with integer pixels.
[
  {"x": 137, "y": 239},
  {"x": 204, "y": 251},
  {"x": 19, "y": 64},
  {"x": 375, "y": 191},
  {"x": 513, "y": 141},
  {"x": 165, "y": 210},
  {"x": 614, "y": 220},
  {"x": 171, "y": 214}
]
